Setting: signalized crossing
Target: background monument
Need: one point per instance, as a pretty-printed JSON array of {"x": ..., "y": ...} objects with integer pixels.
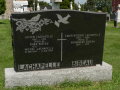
[
  {"x": 15, "y": 6},
  {"x": 9, "y": 9}
]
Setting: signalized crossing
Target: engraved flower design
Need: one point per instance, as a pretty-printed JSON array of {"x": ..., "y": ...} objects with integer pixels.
[
  {"x": 19, "y": 23},
  {"x": 35, "y": 23}
]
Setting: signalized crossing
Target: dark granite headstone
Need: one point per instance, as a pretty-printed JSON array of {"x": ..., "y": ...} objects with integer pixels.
[{"x": 57, "y": 39}]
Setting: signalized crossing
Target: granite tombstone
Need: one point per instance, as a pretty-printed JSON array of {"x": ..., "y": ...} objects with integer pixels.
[{"x": 57, "y": 39}]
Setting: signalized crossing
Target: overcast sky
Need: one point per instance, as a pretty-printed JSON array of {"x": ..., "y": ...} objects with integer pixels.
[
  {"x": 76, "y": 1},
  {"x": 80, "y": 1}
]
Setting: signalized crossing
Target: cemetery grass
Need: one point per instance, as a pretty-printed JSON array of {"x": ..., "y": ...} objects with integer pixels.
[{"x": 111, "y": 56}]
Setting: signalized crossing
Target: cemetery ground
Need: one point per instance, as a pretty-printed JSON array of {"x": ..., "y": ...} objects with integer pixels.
[{"x": 111, "y": 56}]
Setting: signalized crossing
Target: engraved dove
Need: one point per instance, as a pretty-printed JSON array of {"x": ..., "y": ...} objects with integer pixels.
[
  {"x": 62, "y": 20},
  {"x": 36, "y": 18}
]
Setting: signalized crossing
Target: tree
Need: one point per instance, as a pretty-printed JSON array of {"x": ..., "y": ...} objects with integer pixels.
[
  {"x": 96, "y": 5},
  {"x": 104, "y": 5},
  {"x": 66, "y": 4},
  {"x": 2, "y": 7},
  {"x": 90, "y": 5},
  {"x": 76, "y": 6},
  {"x": 43, "y": 4}
]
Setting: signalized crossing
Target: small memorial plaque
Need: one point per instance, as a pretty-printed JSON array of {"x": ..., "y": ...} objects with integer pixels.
[{"x": 57, "y": 39}]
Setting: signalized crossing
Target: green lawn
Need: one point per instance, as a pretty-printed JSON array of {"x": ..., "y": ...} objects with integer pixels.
[{"x": 111, "y": 56}]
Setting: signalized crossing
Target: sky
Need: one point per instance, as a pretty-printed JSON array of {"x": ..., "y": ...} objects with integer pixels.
[
  {"x": 76, "y": 1},
  {"x": 80, "y": 1}
]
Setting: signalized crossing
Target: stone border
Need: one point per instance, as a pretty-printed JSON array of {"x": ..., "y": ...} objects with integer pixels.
[{"x": 52, "y": 77}]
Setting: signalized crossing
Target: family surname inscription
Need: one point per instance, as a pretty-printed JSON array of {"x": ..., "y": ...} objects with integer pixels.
[{"x": 57, "y": 39}]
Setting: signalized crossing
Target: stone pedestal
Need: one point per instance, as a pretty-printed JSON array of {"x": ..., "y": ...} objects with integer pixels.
[{"x": 52, "y": 77}]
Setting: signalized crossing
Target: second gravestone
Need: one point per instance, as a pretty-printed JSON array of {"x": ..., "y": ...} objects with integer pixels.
[{"x": 57, "y": 39}]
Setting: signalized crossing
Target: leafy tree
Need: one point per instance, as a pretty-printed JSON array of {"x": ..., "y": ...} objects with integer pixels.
[
  {"x": 82, "y": 7},
  {"x": 96, "y": 5},
  {"x": 76, "y": 6},
  {"x": 104, "y": 5},
  {"x": 90, "y": 5},
  {"x": 43, "y": 4},
  {"x": 2, "y": 7},
  {"x": 66, "y": 4}
]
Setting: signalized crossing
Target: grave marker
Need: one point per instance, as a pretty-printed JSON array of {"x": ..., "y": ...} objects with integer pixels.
[{"x": 57, "y": 39}]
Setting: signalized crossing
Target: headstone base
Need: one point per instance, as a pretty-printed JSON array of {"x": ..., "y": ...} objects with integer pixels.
[{"x": 52, "y": 77}]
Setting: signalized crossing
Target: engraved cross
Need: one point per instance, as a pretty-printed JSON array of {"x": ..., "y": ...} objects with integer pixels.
[{"x": 61, "y": 39}]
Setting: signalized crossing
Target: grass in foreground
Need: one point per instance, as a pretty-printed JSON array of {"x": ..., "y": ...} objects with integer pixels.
[{"x": 111, "y": 56}]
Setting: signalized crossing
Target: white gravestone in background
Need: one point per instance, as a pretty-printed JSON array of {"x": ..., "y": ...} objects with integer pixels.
[
  {"x": 71, "y": 7},
  {"x": 118, "y": 14},
  {"x": 79, "y": 6},
  {"x": 38, "y": 7},
  {"x": 20, "y": 6},
  {"x": 55, "y": 4}
]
